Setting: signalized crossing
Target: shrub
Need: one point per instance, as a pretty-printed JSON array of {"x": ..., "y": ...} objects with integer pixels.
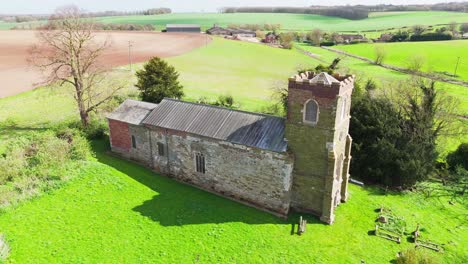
[
  {"x": 413, "y": 256},
  {"x": 158, "y": 80},
  {"x": 327, "y": 43},
  {"x": 39, "y": 162},
  {"x": 459, "y": 157},
  {"x": 431, "y": 37}
]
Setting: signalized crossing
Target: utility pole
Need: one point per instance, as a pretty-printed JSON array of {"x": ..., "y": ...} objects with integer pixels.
[
  {"x": 456, "y": 67},
  {"x": 130, "y": 45}
]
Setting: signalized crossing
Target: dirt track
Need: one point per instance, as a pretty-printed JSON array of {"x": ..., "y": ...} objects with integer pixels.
[{"x": 17, "y": 76}]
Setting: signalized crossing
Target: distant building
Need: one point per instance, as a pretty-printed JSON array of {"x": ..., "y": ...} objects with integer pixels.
[
  {"x": 271, "y": 38},
  {"x": 189, "y": 28},
  {"x": 386, "y": 37},
  {"x": 300, "y": 162},
  {"x": 217, "y": 30},
  {"x": 352, "y": 37},
  {"x": 234, "y": 32}
]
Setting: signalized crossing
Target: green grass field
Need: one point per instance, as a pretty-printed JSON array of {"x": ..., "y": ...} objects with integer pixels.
[
  {"x": 387, "y": 78},
  {"x": 438, "y": 56},
  {"x": 117, "y": 211},
  {"x": 376, "y": 21},
  {"x": 244, "y": 70}
]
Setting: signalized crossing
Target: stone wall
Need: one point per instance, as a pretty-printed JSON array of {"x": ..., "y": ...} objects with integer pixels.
[
  {"x": 320, "y": 150},
  {"x": 121, "y": 141},
  {"x": 257, "y": 177}
]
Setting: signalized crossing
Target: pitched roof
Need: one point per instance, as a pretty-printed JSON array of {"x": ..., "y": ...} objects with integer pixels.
[
  {"x": 245, "y": 128},
  {"x": 324, "y": 78},
  {"x": 132, "y": 111}
]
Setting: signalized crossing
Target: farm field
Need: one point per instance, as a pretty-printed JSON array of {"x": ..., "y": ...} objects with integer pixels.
[
  {"x": 376, "y": 21},
  {"x": 247, "y": 71},
  {"x": 387, "y": 78},
  {"x": 114, "y": 209},
  {"x": 438, "y": 56},
  {"x": 18, "y": 76}
]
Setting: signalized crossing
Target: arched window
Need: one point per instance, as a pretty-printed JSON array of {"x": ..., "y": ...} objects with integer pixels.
[
  {"x": 311, "y": 112},
  {"x": 343, "y": 109}
]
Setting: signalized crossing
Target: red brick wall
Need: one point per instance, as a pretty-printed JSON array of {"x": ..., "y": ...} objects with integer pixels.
[{"x": 120, "y": 135}]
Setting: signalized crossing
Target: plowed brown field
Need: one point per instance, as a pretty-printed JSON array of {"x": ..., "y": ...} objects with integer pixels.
[{"x": 17, "y": 76}]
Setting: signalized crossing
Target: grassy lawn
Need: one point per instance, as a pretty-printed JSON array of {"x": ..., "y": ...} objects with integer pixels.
[
  {"x": 438, "y": 56},
  {"x": 119, "y": 211},
  {"x": 299, "y": 22}
]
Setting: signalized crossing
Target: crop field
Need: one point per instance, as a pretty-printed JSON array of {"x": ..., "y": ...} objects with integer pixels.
[
  {"x": 386, "y": 79},
  {"x": 247, "y": 71},
  {"x": 436, "y": 56},
  {"x": 17, "y": 75},
  {"x": 376, "y": 21}
]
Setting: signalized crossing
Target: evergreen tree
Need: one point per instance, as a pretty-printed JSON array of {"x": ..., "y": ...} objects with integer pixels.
[{"x": 158, "y": 80}]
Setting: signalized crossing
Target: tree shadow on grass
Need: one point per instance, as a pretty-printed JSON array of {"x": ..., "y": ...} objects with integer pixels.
[
  {"x": 12, "y": 131},
  {"x": 178, "y": 204}
]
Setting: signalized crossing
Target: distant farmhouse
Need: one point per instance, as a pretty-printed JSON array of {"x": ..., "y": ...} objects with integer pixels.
[
  {"x": 276, "y": 164},
  {"x": 347, "y": 38},
  {"x": 271, "y": 38},
  {"x": 187, "y": 28},
  {"x": 234, "y": 32}
]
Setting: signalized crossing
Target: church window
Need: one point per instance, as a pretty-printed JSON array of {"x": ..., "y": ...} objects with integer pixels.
[{"x": 311, "y": 112}]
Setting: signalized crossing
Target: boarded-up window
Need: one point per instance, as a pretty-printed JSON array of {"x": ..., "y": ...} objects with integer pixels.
[
  {"x": 160, "y": 149},
  {"x": 133, "y": 141},
  {"x": 200, "y": 163},
  {"x": 311, "y": 112}
]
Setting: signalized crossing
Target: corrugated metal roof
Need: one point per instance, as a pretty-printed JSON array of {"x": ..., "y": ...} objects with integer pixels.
[
  {"x": 182, "y": 26},
  {"x": 245, "y": 128},
  {"x": 132, "y": 112}
]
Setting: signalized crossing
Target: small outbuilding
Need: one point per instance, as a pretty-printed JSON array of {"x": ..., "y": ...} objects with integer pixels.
[
  {"x": 271, "y": 38},
  {"x": 187, "y": 28}
]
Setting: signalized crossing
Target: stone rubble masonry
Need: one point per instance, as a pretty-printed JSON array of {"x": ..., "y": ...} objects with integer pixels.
[
  {"x": 321, "y": 156},
  {"x": 312, "y": 176}
]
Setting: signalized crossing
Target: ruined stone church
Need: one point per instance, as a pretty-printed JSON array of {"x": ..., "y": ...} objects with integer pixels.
[{"x": 300, "y": 162}]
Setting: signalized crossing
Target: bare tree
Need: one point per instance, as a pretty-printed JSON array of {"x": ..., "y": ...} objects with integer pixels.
[
  {"x": 68, "y": 53},
  {"x": 418, "y": 29},
  {"x": 416, "y": 62},
  {"x": 315, "y": 36},
  {"x": 453, "y": 27},
  {"x": 380, "y": 54}
]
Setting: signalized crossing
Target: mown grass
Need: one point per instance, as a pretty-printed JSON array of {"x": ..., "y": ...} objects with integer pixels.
[
  {"x": 376, "y": 21},
  {"x": 123, "y": 212},
  {"x": 437, "y": 56}
]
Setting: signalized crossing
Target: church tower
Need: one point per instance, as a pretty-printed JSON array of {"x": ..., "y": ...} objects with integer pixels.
[{"x": 317, "y": 133}]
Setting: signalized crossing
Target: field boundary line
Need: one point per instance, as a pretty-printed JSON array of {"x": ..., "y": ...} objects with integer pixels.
[{"x": 399, "y": 69}]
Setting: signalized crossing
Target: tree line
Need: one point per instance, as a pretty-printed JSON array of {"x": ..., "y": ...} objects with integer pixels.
[
  {"x": 30, "y": 18},
  {"x": 452, "y": 7},
  {"x": 347, "y": 12}
]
